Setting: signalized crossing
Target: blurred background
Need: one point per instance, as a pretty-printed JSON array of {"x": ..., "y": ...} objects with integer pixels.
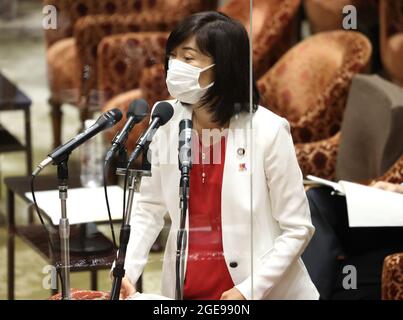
[{"x": 334, "y": 69}]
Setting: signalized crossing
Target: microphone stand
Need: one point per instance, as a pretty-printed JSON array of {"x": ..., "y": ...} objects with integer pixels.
[
  {"x": 119, "y": 271},
  {"x": 64, "y": 228},
  {"x": 182, "y": 233}
]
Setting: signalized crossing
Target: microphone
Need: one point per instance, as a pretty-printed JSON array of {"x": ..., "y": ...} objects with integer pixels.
[
  {"x": 105, "y": 121},
  {"x": 185, "y": 145},
  {"x": 162, "y": 113},
  {"x": 136, "y": 112}
]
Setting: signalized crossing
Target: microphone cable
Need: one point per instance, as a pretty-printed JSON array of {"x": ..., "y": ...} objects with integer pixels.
[
  {"x": 105, "y": 168},
  {"x": 124, "y": 194}
]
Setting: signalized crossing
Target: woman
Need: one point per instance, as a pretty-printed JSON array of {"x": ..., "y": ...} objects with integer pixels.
[{"x": 208, "y": 75}]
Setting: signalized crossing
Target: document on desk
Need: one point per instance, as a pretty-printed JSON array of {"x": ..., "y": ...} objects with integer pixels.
[
  {"x": 368, "y": 206},
  {"x": 83, "y": 204},
  {"x": 372, "y": 207}
]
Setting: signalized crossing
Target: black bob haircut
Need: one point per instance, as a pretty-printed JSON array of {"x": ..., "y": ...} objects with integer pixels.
[{"x": 227, "y": 42}]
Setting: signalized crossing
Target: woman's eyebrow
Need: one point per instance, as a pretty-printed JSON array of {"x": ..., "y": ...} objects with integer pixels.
[{"x": 190, "y": 48}]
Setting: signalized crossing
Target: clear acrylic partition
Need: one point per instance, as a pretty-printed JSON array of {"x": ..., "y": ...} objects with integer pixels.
[{"x": 219, "y": 223}]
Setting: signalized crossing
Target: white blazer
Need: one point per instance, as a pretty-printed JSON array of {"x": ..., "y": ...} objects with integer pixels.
[{"x": 270, "y": 193}]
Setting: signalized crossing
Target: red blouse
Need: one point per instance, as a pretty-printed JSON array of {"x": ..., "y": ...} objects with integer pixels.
[{"x": 207, "y": 275}]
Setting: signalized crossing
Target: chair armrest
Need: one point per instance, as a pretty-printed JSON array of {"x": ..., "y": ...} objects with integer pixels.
[
  {"x": 394, "y": 174},
  {"x": 392, "y": 277},
  {"x": 319, "y": 158}
]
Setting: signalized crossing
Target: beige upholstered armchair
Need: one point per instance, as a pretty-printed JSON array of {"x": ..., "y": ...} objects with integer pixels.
[{"x": 309, "y": 86}]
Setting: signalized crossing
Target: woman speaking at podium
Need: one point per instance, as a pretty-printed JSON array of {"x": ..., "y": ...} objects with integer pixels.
[{"x": 253, "y": 178}]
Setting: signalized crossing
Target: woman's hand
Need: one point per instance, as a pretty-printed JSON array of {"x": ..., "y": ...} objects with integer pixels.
[
  {"x": 232, "y": 294},
  {"x": 127, "y": 289},
  {"x": 388, "y": 186}
]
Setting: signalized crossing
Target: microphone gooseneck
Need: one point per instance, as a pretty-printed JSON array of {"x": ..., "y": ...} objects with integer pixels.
[
  {"x": 162, "y": 113},
  {"x": 105, "y": 121},
  {"x": 136, "y": 113}
]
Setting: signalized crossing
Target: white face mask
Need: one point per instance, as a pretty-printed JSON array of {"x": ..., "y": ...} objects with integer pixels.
[{"x": 183, "y": 81}]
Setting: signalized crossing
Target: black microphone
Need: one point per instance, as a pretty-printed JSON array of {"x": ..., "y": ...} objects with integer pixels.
[
  {"x": 162, "y": 113},
  {"x": 105, "y": 121},
  {"x": 185, "y": 145},
  {"x": 136, "y": 112}
]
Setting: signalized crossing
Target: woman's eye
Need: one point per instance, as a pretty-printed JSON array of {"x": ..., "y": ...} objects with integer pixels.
[{"x": 188, "y": 58}]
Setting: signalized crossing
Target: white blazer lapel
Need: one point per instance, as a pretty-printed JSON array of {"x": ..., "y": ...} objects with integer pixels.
[{"x": 236, "y": 198}]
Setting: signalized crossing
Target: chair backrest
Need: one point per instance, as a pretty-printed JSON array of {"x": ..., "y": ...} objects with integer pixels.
[
  {"x": 372, "y": 129},
  {"x": 123, "y": 59},
  {"x": 303, "y": 79},
  {"x": 69, "y": 11},
  {"x": 273, "y": 30},
  {"x": 262, "y": 9}
]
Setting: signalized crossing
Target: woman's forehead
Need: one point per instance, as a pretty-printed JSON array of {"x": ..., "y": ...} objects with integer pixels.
[{"x": 189, "y": 44}]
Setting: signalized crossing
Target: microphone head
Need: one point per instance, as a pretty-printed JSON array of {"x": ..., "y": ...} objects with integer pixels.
[
  {"x": 164, "y": 111},
  {"x": 112, "y": 117},
  {"x": 137, "y": 109}
]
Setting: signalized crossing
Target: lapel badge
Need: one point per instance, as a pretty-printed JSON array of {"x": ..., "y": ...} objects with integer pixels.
[
  {"x": 241, "y": 151},
  {"x": 242, "y": 167}
]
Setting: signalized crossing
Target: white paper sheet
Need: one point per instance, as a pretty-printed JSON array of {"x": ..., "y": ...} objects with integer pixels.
[
  {"x": 83, "y": 204},
  {"x": 325, "y": 182},
  {"x": 372, "y": 207}
]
